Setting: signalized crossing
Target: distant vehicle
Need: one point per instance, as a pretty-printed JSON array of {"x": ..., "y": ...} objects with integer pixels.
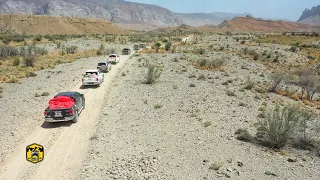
[
  {"x": 113, "y": 58},
  {"x": 104, "y": 66},
  {"x": 136, "y": 47},
  {"x": 142, "y": 46},
  {"x": 126, "y": 51},
  {"x": 92, "y": 78},
  {"x": 65, "y": 106}
]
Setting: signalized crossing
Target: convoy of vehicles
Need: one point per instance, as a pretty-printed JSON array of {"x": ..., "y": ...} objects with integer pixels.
[{"x": 66, "y": 106}]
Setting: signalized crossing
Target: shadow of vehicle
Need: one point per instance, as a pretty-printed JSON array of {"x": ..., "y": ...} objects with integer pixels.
[
  {"x": 88, "y": 87},
  {"x": 49, "y": 125}
]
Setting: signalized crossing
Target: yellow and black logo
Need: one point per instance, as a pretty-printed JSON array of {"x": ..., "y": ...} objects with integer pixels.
[{"x": 34, "y": 153}]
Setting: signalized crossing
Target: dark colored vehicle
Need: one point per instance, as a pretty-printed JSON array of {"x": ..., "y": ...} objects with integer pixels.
[
  {"x": 65, "y": 106},
  {"x": 136, "y": 47},
  {"x": 104, "y": 66},
  {"x": 126, "y": 51},
  {"x": 142, "y": 46}
]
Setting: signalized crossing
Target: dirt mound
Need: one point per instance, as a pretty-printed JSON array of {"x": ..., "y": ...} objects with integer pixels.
[{"x": 36, "y": 24}]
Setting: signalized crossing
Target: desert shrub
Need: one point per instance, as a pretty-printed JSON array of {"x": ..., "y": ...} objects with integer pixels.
[
  {"x": 275, "y": 80},
  {"x": 242, "y": 42},
  {"x": 173, "y": 50},
  {"x": 157, "y": 45},
  {"x": 157, "y": 106},
  {"x": 13, "y": 79},
  {"x": 7, "y": 51},
  {"x": 16, "y": 61},
  {"x": 243, "y": 135},
  {"x": 153, "y": 73},
  {"x": 201, "y": 77},
  {"x": 293, "y": 49},
  {"x": 167, "y": 46},
  {"x": 230, "y": 93},
  {"x": 249, "y": 83},
  {"x": 200, "y": 51},
  {"x": 99, "y": 52},
  {"x": 210, "y": 63},
  {"x": 45, "y": 94},
  {"x": 256, "y": 56},
  {"x": 308, "y": 81},
  {"x": 71, "y": 49},
  {"x": 31, "y": 74},
  {"x": 29, "y": 61},
  {"x": 216, "y": 166},
  {"x": 38, "y": 38},
  {"x": 207, "y": 124},
  {"x": 279, "y": 125}
]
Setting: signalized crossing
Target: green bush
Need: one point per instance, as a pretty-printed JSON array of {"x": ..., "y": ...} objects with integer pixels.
[
  {"x": 153, "y": 74},
  {"x": 249, "y": 84},
  {"x": 256, "y": 56},
  {"x": 29, "y": 61},
  {"x": 71, "y": 49},
  {"x": 243, "y": 135},
  {"x": 279, "y": 125},
  {"x": 16, "y": 61}
]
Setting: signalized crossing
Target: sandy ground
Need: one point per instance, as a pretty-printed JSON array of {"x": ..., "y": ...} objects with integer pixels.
[
  {"x": 135, "y": 140},
  {"x": 65, "y": 143}
]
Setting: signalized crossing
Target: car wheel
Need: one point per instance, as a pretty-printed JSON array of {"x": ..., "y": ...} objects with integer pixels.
[{"x": 76, "y": 117}]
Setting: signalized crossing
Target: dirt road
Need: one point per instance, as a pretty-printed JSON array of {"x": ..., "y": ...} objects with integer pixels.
[{"x": 65, "y": 144}]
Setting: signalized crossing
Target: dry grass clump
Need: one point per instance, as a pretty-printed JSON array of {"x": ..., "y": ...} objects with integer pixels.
[{"x": 209, "y": 64}]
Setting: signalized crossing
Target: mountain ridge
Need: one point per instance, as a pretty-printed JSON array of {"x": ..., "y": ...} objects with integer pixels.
[{"x": 311, "y": 16}]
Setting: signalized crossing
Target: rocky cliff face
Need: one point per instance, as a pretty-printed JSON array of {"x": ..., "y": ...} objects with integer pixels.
[
  {"x": 311, "y": 16},
  {"x": 116, "y": 11}
]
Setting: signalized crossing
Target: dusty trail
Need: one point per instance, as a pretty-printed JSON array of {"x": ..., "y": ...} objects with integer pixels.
[{"x": 65, "y": 143}]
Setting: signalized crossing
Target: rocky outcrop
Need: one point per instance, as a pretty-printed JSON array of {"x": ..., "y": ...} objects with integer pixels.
[{"x": 311, "y": 16}]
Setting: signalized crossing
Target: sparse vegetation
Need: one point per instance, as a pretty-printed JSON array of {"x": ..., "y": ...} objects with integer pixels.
[
  {"x": 29, "y": 61},
  {"x": 153, "y": 74},
  {"x": 249, "y": 83},
  {"x": 243, "y": 135},
  {"x": 207, "y": 124},
  {"x": 210, "y": 64},
  {"x": 216, "y": 166},
  {"x": 157, "y": 106},
  {"x": 279, "y": 125}
]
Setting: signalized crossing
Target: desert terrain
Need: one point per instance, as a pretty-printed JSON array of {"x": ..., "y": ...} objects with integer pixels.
[{"x": 195, "y": 109}]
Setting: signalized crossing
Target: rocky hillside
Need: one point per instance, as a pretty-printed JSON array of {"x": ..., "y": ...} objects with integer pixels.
[
  {"x": 39, "y": 24},
  {"x": 253, "y": 24},
  {"x": 202, "y": 19},
  {"x": 115, "y": 11},
  {"x": 311, "y": 16}
]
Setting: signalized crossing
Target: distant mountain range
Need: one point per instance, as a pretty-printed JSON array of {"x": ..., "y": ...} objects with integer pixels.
[
  {"x": 250, "y": 24},
  {"x": 130, "y": 15},
  {"x": 311, "y": 16},
  {"x": 214, "y": 18},
  {"x": 124, "y": 13}
]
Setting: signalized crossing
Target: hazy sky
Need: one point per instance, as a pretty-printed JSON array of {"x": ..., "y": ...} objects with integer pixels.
[{"x": 286, "y": 9}]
